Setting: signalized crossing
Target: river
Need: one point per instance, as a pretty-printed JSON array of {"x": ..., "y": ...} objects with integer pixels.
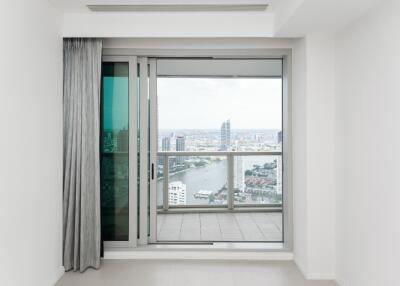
[{"x": 211, "y": 177}]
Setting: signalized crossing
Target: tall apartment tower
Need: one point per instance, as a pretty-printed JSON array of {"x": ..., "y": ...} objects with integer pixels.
[
  {"x": 165, "y": 146},
  {"x": 180, "y": 146},
  {"x": 279, "y": 137},
  {"x": 180, "y": 143},
  {"x": 225, "y": 135},
  {"x": 123, "y": 140},
  {"x": 177, "y": 193},
  {"x": 239, "y": 174}
]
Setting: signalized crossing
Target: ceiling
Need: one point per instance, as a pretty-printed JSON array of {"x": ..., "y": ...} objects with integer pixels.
[
  {"x": 316, "y": 16},
  {"x": 291, "y": 18}
]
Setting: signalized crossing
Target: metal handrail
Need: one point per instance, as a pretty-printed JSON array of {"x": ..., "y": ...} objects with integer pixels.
[
  {"x": 219, "y": 153},
  {"x": 230, "y": 174}
]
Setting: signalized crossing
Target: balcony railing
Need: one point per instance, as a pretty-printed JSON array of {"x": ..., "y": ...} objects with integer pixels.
[{"x": 164, "y": 158}]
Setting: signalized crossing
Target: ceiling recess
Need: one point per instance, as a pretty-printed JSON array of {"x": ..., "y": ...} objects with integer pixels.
[{"x": 178, "y": 8}]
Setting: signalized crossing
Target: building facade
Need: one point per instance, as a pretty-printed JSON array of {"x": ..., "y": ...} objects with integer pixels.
[
  {"x": 180, "y": 146},
  {"x": 177, "y": 193},
  {"x": 225, "y": 135}
]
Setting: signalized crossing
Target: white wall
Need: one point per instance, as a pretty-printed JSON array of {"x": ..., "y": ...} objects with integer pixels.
[
  {"x": 367, "y": 149},
  {"x": 313, "y": 131},
  {"x": 313, "y": 155},
  {"x": 320, "y": 161},
  {"x": 31, "y": 143},
  {"x": 299, "y": 151},
  {"x": 168, "y": 24},
  {"x": 197, "y": 43}
]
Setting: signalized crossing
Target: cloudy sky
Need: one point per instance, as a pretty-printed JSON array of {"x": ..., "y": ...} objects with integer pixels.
[{"x": 204, "y": 103}]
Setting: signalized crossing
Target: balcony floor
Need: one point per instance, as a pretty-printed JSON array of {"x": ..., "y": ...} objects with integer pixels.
[{"x": 203, "y": 227}]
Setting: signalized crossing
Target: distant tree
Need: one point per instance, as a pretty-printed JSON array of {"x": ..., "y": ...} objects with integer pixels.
[
  {"x": 200, "y": 164},
  {"x": 211, "y": 198},
  {"x": 248, "y": 173}
]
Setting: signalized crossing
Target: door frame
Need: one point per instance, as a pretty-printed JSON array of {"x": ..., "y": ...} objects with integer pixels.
[
  {"x": 220, "y": 68},
  {"x": 253, "y": 53},
  {"x": 153, "y": 148}
]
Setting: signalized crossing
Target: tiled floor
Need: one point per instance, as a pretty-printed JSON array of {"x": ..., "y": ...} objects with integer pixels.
[
  {"x": 240, "y": 226},
  {"x": 193, "y": 273}
]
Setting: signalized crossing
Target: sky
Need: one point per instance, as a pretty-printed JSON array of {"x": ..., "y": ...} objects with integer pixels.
[{"x": 204, "y": 103}]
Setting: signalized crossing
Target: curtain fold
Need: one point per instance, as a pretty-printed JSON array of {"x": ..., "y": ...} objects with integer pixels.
[{"x": 81, "y": 193}]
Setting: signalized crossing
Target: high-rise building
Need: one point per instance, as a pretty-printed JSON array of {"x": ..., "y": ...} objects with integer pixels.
[
  {"x": 225, "y": 135},
  {"x": 279, "y": 137},
  {"x": 177, "y": 193},
  {"x": 123, "y": 141},
  {"x": 180, "y": 146},
  {"x": 180, "y": 143},
  {"x": 239, "y": 178},
  {"x": 166, "y": 144},
  {"x": 259, "y": 137}
]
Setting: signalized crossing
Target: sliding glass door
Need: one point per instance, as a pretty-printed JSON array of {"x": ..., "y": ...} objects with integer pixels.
[
  {"x": 192, "y": 150},
  {"x": 127, "y": 163},
  {"x": 220, "y": 138},
  {"x": 147, "y": 143},
  {"x": 115, "y": 152},
  {"x": 118, "y": 151}
]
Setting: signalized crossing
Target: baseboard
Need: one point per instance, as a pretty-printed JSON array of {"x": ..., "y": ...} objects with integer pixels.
[
  {"x": 59, "y": 274},
  {"x": 314, "y": 276},
  {"x": 201, "y": 255},
  {"x": 340, "y": 282},
  {"x": 317, "y": 276},
  {"x": 320, "y": 277}
]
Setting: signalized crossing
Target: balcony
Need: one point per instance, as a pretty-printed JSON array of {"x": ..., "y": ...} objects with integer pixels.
[{"x": 219, "y": 196}]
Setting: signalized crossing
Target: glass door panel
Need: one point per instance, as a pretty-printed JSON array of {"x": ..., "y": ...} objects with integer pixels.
[
  {"x": 115, "y": 151},
  {"x": 219, "y": 148}
]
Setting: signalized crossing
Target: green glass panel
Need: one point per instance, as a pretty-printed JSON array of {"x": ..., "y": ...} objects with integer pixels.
[{"x": 115, "y": 151}]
